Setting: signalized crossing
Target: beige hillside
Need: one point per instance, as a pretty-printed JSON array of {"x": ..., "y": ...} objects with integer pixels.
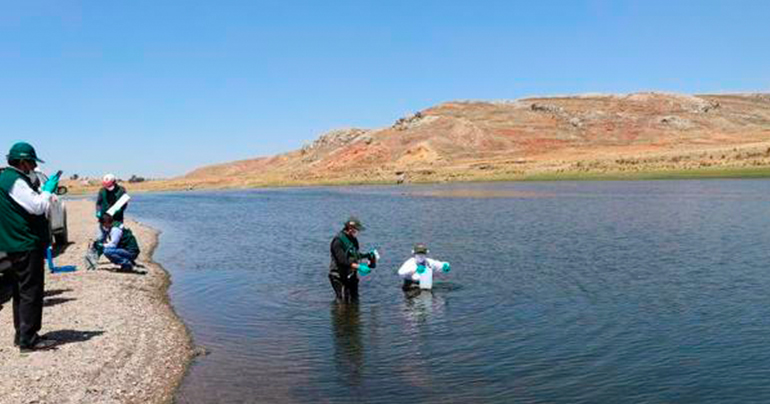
[{"x": 529, "y": 138}]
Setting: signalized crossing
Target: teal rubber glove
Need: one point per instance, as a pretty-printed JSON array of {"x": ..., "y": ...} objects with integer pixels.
[
  {"x": 364, "y": 269},
  {"x": 446, "y": 267},
  {"x": 52, "y": 183},
  {"x": 421, "y": 269},
  {"x": 374, "y": 254}
]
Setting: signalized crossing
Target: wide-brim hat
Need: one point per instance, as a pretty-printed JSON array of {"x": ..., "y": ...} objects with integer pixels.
[{"x": 420, "y": 248}]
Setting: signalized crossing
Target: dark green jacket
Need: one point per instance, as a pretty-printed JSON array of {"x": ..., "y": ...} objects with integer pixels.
[
  {"x": 106, "y": 199},
  {"x": 344, "y": 252},
  {"x": 19, "y": 230},
  {"x": 128, "y": 241}
]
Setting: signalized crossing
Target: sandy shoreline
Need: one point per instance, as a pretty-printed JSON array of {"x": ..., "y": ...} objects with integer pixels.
[{"x": 121, "y": 341}]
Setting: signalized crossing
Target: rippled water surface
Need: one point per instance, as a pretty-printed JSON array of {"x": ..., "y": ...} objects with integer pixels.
[{"x": 591, "y": 292}]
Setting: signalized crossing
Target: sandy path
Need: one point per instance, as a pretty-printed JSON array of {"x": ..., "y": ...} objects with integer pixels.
[{"x": 121, "y": 340}]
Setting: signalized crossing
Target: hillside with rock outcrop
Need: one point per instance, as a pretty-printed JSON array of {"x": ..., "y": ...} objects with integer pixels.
[{"x": 475, "y": 140}]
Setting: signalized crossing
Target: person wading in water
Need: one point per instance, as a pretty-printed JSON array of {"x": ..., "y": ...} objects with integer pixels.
[{"x": 345, "y": 261}]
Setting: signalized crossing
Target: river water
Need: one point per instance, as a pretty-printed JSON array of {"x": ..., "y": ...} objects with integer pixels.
[{"x": 563, "y": 292}]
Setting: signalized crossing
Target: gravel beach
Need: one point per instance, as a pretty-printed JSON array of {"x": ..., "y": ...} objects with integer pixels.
[{"x": 120, "y": 340}]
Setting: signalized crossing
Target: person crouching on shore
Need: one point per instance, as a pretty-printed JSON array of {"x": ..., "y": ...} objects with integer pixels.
[{"x": 117, "y": 243}]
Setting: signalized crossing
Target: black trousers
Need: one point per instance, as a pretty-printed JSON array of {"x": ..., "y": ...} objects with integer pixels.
[
  {"x": 26, "y": 281},
  {"x": 346, "y": 290}
]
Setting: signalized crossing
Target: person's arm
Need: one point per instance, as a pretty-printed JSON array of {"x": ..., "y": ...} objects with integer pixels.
[
  {"x": 407, "y": 269},
  {"x": 438, "y": 266},
  {"x": 99, "y": 203},
  {"x": 372, "y": 257},
  {"x": 115, "y": 234},
  {"x": 33, "y": 202},
  {"x": 123, "y": 209}
]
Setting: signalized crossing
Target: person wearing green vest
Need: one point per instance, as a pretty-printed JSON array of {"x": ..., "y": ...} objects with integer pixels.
[
  {"x": 24, "y": 236},
  {"x": 345, "y": 261},
  {"x": 108, "y": 195},
  {"x": 117, "y": 243}
]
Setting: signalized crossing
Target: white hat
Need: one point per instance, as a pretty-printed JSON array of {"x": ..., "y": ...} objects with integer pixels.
[{"x": 109, "y": 181}]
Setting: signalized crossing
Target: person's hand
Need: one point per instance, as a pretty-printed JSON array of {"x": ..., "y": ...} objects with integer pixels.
[
  {"x": 420, "y": 269},
  {"x": 446, "y": 267},
  {"x": 364, "y": 269},
  {"x": 98, "y": 214},
  {"x": 52, "y": 183},
  {"x": 374, "y": 254}
]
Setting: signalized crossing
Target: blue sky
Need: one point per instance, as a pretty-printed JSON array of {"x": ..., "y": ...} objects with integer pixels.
[{"x": 157, "y": 88}]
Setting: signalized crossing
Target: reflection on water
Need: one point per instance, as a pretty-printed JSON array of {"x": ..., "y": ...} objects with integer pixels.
[
  {"x": 348, "y": 344},
  {"x": 606, "y": 292},
  {"x": 420, "y": 304}
]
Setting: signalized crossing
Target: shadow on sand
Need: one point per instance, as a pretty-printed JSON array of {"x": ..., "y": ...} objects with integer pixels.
[
  {"x": 53, "y": 301},
  {"x": 119, "y": 270},
  {"x": 69, "y": 336},
  {"x": 55, "y": 292},
  {"x": 60, "y": 249}
]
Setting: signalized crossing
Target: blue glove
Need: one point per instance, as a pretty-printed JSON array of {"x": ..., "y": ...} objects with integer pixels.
[
  {"x": 52, "y": 183},
  {"x": 446, "y": 267},
  {"x": 421, "y": 269},
  {"x": 98, "y": 214},
  {"x": 364, "y": 269}
]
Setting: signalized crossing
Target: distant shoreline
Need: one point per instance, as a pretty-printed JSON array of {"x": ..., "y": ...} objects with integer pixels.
[{"x": 181, "y": 184}]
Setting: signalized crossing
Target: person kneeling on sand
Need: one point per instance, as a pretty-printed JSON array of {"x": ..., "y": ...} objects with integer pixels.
[
  {"x": 117, "y": 243},
  {"x": 418, "y": 270}
]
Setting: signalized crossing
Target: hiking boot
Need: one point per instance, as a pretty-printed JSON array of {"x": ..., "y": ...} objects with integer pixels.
[
  {"x": 38, "y": 344},
  {"x": 126, "y": 267}
]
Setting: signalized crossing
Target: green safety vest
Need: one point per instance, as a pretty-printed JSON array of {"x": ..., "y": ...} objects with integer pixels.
[
  {"x": 109, "y": 198},
  {"x": 127, "y": 240},
  {"x": 19, "y": 230},
  {"x": 349, "y": 246}
]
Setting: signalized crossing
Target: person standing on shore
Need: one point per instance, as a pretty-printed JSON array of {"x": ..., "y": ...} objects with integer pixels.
[
  {"x": 108, "y": 195},
  {"x": 117, "y": 243},
  {"x": 345, "y": 261},
  {"x": 24, "y": 236}
]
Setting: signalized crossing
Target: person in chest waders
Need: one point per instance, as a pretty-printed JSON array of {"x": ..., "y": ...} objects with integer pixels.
[{"x": 345, "y": 261}]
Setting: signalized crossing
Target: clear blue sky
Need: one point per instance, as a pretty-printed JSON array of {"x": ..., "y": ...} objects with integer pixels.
[{"x": 157, "y": 88}]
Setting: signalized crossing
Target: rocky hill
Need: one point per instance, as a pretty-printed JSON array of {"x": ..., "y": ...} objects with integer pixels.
[{"x": 470, "y": 140}]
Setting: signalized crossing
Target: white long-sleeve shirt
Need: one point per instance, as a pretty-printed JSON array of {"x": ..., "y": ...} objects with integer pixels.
[
  {"x": 408, "y": 269},
  {"x": 35, "y": 203},
  {"x": 112, "y": 238}
]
